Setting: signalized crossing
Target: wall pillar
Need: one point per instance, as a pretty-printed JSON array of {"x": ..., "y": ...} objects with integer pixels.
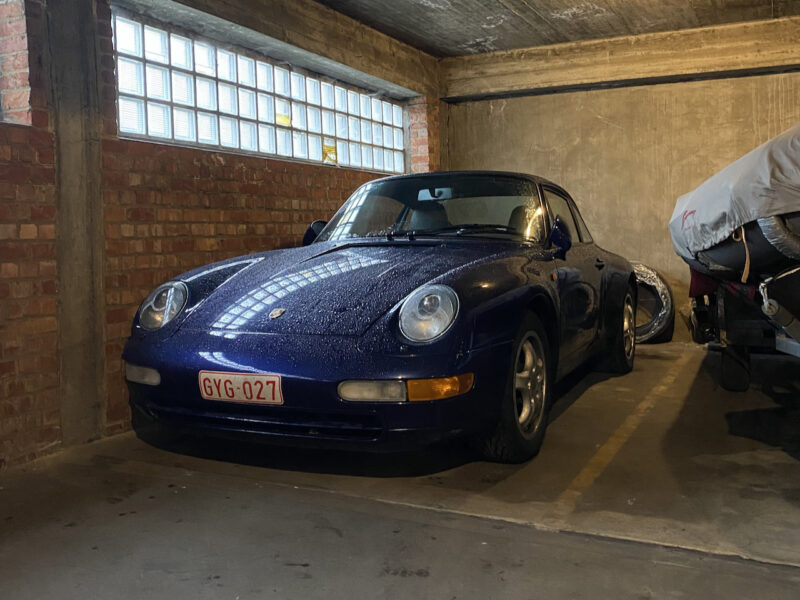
[
  {"x": 72, "y": 38},
  {"x": 423, "y": 135}
]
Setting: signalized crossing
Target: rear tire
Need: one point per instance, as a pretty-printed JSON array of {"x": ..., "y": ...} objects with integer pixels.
[
  {"x": 623, "y": 347},
  {"x": 519, "y": 433}
]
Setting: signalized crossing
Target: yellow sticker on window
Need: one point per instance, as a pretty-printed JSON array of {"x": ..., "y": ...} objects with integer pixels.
[
  {"x": 285, "y": 120},
  {"x": 329, "y": 153}
]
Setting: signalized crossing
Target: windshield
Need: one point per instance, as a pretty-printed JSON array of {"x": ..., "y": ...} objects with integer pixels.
[{"x": 463, "y": 205}]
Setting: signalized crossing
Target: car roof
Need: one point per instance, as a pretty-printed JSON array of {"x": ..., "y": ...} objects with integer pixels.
[{"x": 528, "y": 176}]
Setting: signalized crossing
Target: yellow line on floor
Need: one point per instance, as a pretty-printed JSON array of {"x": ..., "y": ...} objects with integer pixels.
[{"x": 566, "y": 502}]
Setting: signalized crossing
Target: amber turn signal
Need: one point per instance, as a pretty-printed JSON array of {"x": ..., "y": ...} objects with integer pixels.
[{"x": 420, "y": 390}]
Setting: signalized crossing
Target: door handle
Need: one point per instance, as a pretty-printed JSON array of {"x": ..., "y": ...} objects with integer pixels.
[{"x": 599, "y": 264}]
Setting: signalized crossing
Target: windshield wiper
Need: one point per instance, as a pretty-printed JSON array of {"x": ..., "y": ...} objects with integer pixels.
[{"x": 465, "y": 228}]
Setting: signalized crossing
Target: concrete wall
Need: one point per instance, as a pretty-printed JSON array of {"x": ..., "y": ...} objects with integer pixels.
[{"x": 625, "y": 154}]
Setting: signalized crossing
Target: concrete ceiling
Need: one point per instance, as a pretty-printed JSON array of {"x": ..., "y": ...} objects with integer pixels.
[{"x": 458, "y": 27}]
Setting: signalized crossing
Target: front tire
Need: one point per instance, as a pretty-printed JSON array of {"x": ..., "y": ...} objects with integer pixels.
[{"x": 519, "y": 433}]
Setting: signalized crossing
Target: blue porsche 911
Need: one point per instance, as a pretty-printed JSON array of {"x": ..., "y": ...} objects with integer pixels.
[{"x": 430, "y": 306}]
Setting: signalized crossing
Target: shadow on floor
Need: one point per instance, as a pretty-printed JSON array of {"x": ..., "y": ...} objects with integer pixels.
[{"x": 777, "y": 377}]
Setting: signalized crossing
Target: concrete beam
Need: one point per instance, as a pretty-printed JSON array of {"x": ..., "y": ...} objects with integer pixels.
[
  {"x": 711, "y": 52},
  {"x": 79, "y": 227},
  {"x": 307, "y": 35}
]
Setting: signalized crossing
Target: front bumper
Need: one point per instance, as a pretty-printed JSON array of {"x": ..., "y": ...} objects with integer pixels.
[{"x": 312, "y": 413}]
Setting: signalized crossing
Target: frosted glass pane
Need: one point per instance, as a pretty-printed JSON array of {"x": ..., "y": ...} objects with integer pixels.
[
  {"x": 266, "y": 108},
  {"x": 298, "y": 115},
  {"x": 377, "y": 134},
  {"x": 283, "y": 112},
  {"x": 365, "y": 106},
  {"x": 266, "y": 139},
  {"x": 377, "y": 159},
  {"x": 206, "y": 94},
  {"x": 247, "y": 104},
  {"x": 312, "y": 91},
  {"x": 397, "y": 116},
  {"x": 227, "y": 99},
  {"x": 314, "y": 120},
  {"x": 329, "y": 151},
  {"x": 183, "y": 124},
  {"x": 341, "y": 125},
  {"x": 327, "y": 95},
  {"x": 298, "y": 86},
  {"x": 388, "y": 137},
  {"x": 158, "y": 83},
  {"x": 247, "y": 71},
  {"x": 398, "y": 139},
  {"x": 353, "y": 129},
  {"x": 387, "y": 160},
  {"x": 226, "y": 65},
  {"x": 376, "y": 109},
  {"x": 355, "y": 154},
  {"x": 228, "y": 132},
  {"x": 181, "y": 51},
  {"x": 366, "y": 157},
  {"x": 284, "y": 142},
  {"x": 131, "y": 115},
  {"x": 264, "y": 76},
  {"x": 314, "y": 147},
  {"x": 158, "y": 121},
  {"x": 398, "y": 162},
  {"x": 342, "y": 153},
  {"x": 248, "y": 136},
  {"x": 328, "y": 123},
  {"x": 352, "y": 105},
  {"x": 156, "y": 45},
  {"x": 387, "y": 112},
  {"x": 204, "y": 59},
  {"x": 128, "y": 36},
  {"x": 341, "y": 99},
  {"x": 182, "y": 88},
  {"x": 207, "y": 128},
  {"x": 366, "y": 131},
  {"x": 282, "y": 85},
  {"x": 130, "y": 76},
  {"x": 300, "y": 144}
]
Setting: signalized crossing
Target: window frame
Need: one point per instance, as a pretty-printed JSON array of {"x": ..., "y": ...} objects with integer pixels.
[
  {"x": 570, "y": 206},
  {"x": 255, "y": 121}
]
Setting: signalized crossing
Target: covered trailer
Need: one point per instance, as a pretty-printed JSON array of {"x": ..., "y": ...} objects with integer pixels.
[{"x": 739, "y": 232}]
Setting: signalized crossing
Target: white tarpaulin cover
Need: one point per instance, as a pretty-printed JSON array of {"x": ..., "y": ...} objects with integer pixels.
[{"x": 763, "y": 183}]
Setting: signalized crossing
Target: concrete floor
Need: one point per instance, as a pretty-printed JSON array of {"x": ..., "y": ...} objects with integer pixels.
[{"x": 656, "y": 484}]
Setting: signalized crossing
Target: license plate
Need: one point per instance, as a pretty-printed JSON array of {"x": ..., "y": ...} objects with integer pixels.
[{"x": 259, "y": 388}]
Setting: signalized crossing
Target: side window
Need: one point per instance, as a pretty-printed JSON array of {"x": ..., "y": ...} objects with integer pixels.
[
  {"x": 559, "y": 206},
  {"x": 586, "y": 237}
]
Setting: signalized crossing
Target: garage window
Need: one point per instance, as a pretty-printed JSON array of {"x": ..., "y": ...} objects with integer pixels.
[{"x": 182, "y": 89}]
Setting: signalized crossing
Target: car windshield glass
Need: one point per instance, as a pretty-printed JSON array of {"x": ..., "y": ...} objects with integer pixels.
[{"x": 485, "y": 205}]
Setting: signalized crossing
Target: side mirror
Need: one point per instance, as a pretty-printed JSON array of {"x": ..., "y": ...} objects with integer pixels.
[
  {"x": 313, "y": 231},
  {"x": 559, "y": 238}
]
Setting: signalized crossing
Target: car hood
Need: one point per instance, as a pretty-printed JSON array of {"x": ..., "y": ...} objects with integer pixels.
[{"x": 335, "y": 290}]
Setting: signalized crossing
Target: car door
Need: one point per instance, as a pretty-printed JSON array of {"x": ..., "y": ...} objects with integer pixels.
[{"x": 579, "y": 277}]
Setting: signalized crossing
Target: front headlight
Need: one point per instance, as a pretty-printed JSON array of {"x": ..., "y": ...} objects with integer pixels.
[
  {"x": 162, "y": 305},
  {"x": 428, "y": 312}
]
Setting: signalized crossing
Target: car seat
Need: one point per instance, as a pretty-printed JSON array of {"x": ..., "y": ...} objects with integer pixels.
[{"x": 429, "y": 217}]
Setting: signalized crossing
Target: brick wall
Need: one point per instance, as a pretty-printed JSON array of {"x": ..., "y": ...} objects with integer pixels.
[
  {"x": 423, "y": 133},
  {"x": 165, "y": 210},
  {"x": 171, "y": 209},
  {"x": 14, "y": 85},
  {"x": 29, "y": 412}
]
